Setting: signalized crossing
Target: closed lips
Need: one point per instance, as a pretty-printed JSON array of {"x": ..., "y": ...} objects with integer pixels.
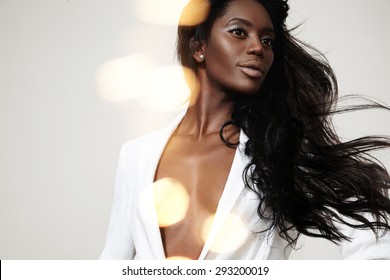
[{"x": 252, "y": 69}]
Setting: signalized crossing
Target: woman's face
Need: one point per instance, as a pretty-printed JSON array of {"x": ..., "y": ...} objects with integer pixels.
[{"x": 239, "y": 51}]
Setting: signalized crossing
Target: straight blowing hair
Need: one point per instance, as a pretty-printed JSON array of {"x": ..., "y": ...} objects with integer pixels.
[{"x": 299, "y": 168}]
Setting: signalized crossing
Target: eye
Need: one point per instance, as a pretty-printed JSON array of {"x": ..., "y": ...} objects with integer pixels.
[
  {"x": 238, "y": 32},
  {"x": 267, "y": 41}
]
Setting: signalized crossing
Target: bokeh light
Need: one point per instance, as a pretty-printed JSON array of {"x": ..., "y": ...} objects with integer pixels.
[
  {"x": 206, "y": 227},
  {"x": 177, "y": 258},
  {"x": 231, "y": 236},
  {"x": 194, "y": 13},
  {"x": 165, "y": 89},
  {"x": 171, "y": 199},
  {"x": 172, "y": 12},
  {"x": 120, "y": 79},
  {"x": 166, "y": 12}
]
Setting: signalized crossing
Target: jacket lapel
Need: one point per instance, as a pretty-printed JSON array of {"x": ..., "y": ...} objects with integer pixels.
[
  {"x": 146, "y": 205},
  {"x": 148, "y": 162},
  {"x": 233, "y": 188}
]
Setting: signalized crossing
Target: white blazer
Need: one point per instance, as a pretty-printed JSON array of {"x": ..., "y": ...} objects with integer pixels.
[{"x": 133, "y": 231}]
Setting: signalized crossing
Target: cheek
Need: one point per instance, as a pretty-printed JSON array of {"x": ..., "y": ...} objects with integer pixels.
[
  {"x": 268, "y": 60},
  {"x": 221, "y": 53},
  {"x": 220, "y": 61}
]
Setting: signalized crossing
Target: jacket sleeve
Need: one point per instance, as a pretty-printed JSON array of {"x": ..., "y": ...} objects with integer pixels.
[
  {"x": 364, "y": 244},
  {"x": 119, "y": 242}
]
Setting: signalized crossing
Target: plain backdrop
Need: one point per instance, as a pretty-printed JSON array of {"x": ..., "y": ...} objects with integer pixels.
[{"x": 72, "y": 91}]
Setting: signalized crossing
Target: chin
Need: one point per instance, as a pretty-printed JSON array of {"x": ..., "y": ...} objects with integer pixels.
[
  {"x": 249, "y": 90},
  {"x": 246, "y": 88}
]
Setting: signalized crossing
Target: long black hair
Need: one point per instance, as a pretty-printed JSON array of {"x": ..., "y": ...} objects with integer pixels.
[{"x": 299, "y": 168}]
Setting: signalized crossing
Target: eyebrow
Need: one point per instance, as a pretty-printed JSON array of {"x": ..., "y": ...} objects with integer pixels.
[{"x": 248, "y": 23}]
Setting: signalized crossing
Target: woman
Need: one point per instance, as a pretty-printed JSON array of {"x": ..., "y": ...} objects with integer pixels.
[{"x": 255, "y": 152}]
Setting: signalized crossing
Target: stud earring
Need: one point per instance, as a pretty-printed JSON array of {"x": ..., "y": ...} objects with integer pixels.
[{"x": 201, "y": 56}]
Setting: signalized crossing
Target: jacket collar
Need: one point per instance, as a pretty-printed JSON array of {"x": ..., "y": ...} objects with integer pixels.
[{"x": 233, "y": 188}]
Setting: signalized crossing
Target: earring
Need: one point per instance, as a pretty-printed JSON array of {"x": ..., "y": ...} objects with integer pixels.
[{"x": 201, "y": 56}]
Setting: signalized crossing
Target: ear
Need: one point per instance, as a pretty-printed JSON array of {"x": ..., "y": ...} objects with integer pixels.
[{"x": 198, "y": 50}]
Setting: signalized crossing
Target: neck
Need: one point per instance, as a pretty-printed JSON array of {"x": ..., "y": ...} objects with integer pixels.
[{"x": 207, "y": 111}]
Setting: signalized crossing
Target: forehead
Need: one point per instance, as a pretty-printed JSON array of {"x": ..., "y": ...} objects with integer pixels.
[{"x": 249, "y": 10}]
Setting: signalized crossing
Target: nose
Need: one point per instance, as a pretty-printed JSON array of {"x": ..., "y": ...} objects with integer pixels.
[{"x": 255, "y": 47}]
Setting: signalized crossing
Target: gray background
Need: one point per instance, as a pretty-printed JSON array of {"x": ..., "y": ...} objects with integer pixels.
[{"x": 70, "y": 96}]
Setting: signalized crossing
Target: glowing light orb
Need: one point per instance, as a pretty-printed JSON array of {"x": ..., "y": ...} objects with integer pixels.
[
  {"x": 166, "y": 12},
  {"x": 120, "y": 79},
  {"x": 231, "y": 236},
  {"x": 177, "y": 258},
  {"x": 171, "y": 200},
  {"x": 194, "y": 13},
  {"x": 165, "y": 89}
]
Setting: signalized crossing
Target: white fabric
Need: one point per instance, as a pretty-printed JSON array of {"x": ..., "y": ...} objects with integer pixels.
[{"x": 134, "y": 233}]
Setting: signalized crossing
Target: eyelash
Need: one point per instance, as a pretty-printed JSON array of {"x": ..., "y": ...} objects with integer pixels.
[
  {"x": 239, "y": 29},
  {"x": 268, "y": 41}
]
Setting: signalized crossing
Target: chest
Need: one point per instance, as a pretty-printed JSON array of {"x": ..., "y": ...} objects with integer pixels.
[{"x": 201, "y": 170}]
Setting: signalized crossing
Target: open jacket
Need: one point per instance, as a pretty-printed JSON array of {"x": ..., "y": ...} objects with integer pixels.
[{"x": 237, "y": 232}]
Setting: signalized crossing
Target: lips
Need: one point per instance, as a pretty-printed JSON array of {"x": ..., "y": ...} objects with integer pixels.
[{"x": 252, "y": 69}]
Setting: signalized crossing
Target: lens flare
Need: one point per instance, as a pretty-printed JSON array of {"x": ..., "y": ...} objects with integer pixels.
[
  {"x": 120, "y": 79},
  {"x": 231, "y": 236},
  {"x": 171, "y": 199},
  {"x": 206, "y": 227},
  {"x": 165, "y": 12},
  {"x": 165, "y": 89},
  {"x": 177, "y": 258},
  {"x": 194, "y": 13}
]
